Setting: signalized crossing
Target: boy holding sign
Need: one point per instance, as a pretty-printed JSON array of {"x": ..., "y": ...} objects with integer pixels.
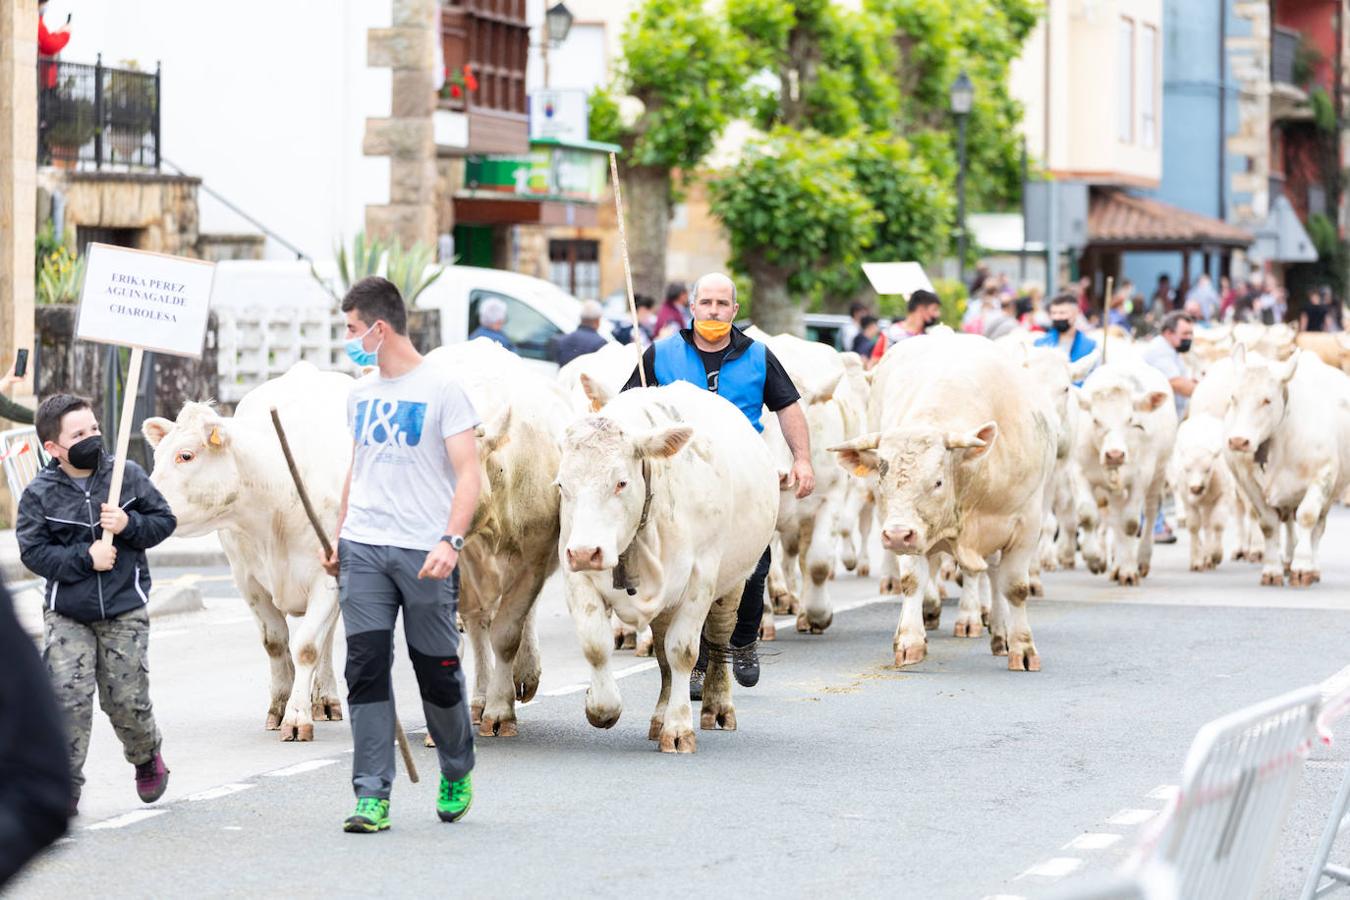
[{"x": 96, "y": 626}]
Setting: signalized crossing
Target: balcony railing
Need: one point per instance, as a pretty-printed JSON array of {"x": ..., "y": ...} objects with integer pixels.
[
  {"x": 1283, "y": 53},
  {"x": 97, "y": 115}
]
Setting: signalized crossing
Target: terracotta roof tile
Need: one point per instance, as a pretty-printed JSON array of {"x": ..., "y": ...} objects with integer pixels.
[{"x": 1117, "y": 217}]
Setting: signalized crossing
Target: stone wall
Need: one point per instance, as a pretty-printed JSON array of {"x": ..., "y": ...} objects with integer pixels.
[
  {"x": 161, "y": 208},
  {"x": 1250, "y": 59},
  {"x": 220, "y": 247}
]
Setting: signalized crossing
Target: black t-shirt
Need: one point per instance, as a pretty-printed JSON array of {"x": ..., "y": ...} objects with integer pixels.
[
  {"x": 1317, "y": 316},
  {"x": 779, "y": 391}
]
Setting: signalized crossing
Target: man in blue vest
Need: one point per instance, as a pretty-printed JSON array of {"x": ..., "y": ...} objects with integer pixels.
[
  {"x": 1064, "y": 334},
  {"x": 714, "y": 354}
]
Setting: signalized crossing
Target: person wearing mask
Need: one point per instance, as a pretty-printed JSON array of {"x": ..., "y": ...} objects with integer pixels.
[
  {"x": 1064, "y": 334},
  {"x": 50, "y": 43},
  {"x": 925, "y": 311},
  {"x": 1205, "y": 298},
  {"x": 1003, "y": 321},
  {"x": 719, "y": 357},
  {"x": 857, "y": 311},
  {"x": 646, "y": 323},
  {"x": 586, "y": 339},
  {"x": 866, "y": 338},
  {"x": 491, "y": 321},
  {"x": 674, "y": 313},
  {"x": 1164, "y": 354}
]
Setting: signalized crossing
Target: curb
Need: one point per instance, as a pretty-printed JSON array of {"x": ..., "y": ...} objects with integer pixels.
[{"x": 182, "y": 595}]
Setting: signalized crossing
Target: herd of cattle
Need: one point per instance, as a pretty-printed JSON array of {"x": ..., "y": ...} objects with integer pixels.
[{"x": 979, "y": 461}]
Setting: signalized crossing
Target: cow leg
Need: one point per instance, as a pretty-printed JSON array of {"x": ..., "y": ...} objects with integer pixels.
[
  {"x": 1199, "y": 557},
  {"x": 1123, "y": 522},
  {"x": 1090, "y": 520},
  {"x": 817, "y": 613},
  {"x": 768, "y": 628},
  {"x": 658, "y": 628},
  {"x": 625, "y": 636},
  {"x": 276, "y": 640},
  {"x": 778, "y": 588},
  {"x": 319, "y": 619},
  {"x": 717, "y": 710},
  {"x": 932, "y": 600},
  {"x": 1152, "y": 503},
  {"x": 1309, "y": 520},
  {"x": 590, "y": 617},
  {"x": 1272, "y": 569},
  {"x": 890, "y": 573},
  {"x": 327, "y": 703},
  {"x": 1011, "y": 588},
  {"x": 845, "y": 524},
  {"x": 865, "y": 517},
  {"x": 474, "y": 609},
  {"x": 682, "y": 638},
  {"x": 911, "y": 643},
  {"x": 525, "y": 671},
  {"x": 969, "y": 621},
  {"x": 1066, "y": 544},
  {"x": 645, "y": 641},
  {"x": 508, "y": 627},
  {"x": 1212, "y": 518}
]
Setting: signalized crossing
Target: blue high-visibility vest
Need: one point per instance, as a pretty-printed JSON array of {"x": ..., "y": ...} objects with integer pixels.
[{"x": 741, "y": 379}]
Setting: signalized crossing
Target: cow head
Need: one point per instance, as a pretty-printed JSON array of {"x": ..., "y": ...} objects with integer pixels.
[
  {"x": 600, "y": 478},
  {"x": 1115, "y": 420},
  {"x": 195, "y": 467},
  {"x": 1260, "y": 395},
  {"x": 918, "y": 471},
  {"x": 1199, "y": 452}
]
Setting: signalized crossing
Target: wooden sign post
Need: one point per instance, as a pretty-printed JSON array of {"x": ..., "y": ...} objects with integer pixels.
[{"x": 145, "y": 301}]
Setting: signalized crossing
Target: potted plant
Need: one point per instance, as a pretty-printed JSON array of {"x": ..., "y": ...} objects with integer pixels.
[
  {"x": 70, "y": 125},
  {"x": 129, "y": 104}
]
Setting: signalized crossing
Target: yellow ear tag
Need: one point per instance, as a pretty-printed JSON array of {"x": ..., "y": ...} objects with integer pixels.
[
  {"x": 214, "y": 440},
  {"x": 861, "y": 471}
]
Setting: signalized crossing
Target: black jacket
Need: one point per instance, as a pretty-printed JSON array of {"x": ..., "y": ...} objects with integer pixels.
[
  {"x": 580, "y": 342},
  {"x": 58, "y": 521}
]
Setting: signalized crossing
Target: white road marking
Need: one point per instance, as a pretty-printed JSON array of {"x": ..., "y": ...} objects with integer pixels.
[
  {"x": 1132, "y": 816},
  {"x": 583, "y": 685},
  {"x": 126, "y": 819},
  {"x": 1004, "y": 897},
  {"x": 1092, "y": 841},
  {"x": 300, "y": 768},
  {"x": 216, "y": 793},
  {"x": 1056, "y": 867},
  {"x": 233, "y": 828},
  {"x": 1164, "y": 792}
]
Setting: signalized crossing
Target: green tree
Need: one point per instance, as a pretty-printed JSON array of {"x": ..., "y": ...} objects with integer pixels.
[
  {"x": 683, "y": 68},
  {"x": 796, "y": 219}
]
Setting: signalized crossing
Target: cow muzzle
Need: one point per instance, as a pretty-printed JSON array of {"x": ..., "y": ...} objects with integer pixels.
[
  {"x": 585, "y": 559},
  {"x": 1113, "y": 458},
  {"x": 1239, "y": 444},
  {"x": 1197, "y": 489},
  {"x": 901, "y": 539}
]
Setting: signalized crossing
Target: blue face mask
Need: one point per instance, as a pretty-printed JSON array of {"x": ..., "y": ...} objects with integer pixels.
[{"x": 359, "y": 354}]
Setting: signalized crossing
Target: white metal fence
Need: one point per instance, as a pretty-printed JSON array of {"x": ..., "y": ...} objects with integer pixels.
[
  {"x": 257, "y": 344},
  {"x": 23, "y": 456}
]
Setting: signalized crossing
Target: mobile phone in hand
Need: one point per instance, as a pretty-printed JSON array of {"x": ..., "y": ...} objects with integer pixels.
[
  {"x": 21, "y": 363},
  {"x": 67, "y": 18}
]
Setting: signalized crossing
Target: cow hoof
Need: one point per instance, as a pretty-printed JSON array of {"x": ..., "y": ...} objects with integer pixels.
[
  {"x": 1037, "y": 588},
  {"x": 1096, "y": 566},
  {"x": 1197, "y": 567},
  {"x": 475, "y": 714},
  {"x": 960, "y": 579},
  {"x": 911, "y": 654},
  {"x": 806, "y": 626},
  {"x": 601, "y": 718},
  {"x": 526, "y": 688},
  {"x": 644, "y": 648},
  {"x": 273, "y": 721},
  {"x": 1215, "y": 559},
  {"x": 327, "y": 711},
  {"x": 684, "y": 742},
  {"x": 1024, "y": 661},
  {"x": 1144, "y": 569},
  {"x": 890, "y": 585},
  {"x": 1272, "y": 579},
  {"x": 967, "y": 629},
  {"x": 494, "y": 726},
  {"x": 299, "y": 733},
  {"x": 932, "y": 621},
  {"x": 459, "y": 623},
  {"x": 428, "y": 742},
  {"x": 715, "y": 719},
  {"x": 1256, "y": 556},
  {"x": 864, "y": 570},
  {"x": 1068, "y": 564},
  {"x": 618, "y": 638},
  {"x": 784, "y": 604},
  {"x": 998, "y": 645},
  {"x": 1128, "y": 579},
  {"x": 768, "y": 632},
  {"x": 654, "y": 729},
  {"x": 1303, "y": 578},
  {"x": 629, "y": 641},
  {"x": 984, "y": 617}
]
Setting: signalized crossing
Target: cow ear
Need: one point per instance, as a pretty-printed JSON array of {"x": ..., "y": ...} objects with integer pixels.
[
  {"x": 595, "y": 392},
  {"x": 664, "y": 442},
  {"x": 1151, "y": 401},
  {"x": 823, "y": 392},
  {"x": 496, "y": 433},
  {"x": 858, "y": 455},
  {"x": 976, "y": 443},
  {"x": 1285, "y": 371},
  {"x": 155, "y": 429}
]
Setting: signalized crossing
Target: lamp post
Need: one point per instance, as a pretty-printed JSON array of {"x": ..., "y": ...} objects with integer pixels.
[
  {"x": 962, "y": 96},
  {"x": 557, "y": 23}
]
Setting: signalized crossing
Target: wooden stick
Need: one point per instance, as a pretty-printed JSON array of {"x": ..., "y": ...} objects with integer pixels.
[
  {"x": 402, "y": 738},
  {"x": 1106, "y": 315},
  {"x": 129, "y": 389},
  {"x": 627, "y": 270}
]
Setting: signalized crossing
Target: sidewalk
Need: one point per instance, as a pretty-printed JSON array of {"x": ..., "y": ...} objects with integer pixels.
[{"x": 176, "y": 552}]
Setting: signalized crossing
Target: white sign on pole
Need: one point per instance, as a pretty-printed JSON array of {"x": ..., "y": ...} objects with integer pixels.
[
  {"x": 149, "y": 300},
  {"x": 903, "y": 278},
  {"x": 562, "y": 115}
]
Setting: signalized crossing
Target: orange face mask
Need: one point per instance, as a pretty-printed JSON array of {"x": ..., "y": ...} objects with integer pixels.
[{"x": 711, "y": 330}]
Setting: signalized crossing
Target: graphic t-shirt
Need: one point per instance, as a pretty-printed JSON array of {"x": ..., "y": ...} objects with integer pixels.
[{"x": 402, "y": 481}]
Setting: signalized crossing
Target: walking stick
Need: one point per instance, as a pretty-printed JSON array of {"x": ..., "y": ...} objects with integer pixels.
[
  {"x": 627, "y": 270},
  {"x": 327, "y": 552},
  {"x": 1106, "y": 315}
]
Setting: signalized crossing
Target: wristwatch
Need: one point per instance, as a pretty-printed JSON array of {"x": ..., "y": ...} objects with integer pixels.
[{"x": 455, "y": 541}]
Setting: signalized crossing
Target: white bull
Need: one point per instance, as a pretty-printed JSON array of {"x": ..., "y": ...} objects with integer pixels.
[
  {"x": 647, "y": 486},
  {"x": 228, "y": 475}
]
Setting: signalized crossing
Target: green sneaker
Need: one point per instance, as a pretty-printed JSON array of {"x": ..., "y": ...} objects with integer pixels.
[
  {"x": 455, "y": 798},
  {"x": 372, "y": 815}
]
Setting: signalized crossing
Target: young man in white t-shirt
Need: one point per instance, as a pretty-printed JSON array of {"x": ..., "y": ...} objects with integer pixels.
[{"x": 408, "y": 502}]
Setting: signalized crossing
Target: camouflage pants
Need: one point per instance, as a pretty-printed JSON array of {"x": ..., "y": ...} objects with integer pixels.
[{"x": 113, "y": 656}]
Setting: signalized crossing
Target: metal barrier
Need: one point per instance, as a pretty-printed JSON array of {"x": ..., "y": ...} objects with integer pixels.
[
  {"x": 1336, "y": 695},
  {"x": 23, "y": 457}
]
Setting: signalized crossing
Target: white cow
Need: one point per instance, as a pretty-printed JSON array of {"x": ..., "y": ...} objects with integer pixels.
[
  {"x": 963, "y": 445},
  {"x": 854, "y": 526},
  {"x": 1204, "y": 487},
  {"x": 1212, "y": 397},
  {"x": 1128, "y": 429},
  {"x": 228, "y": 475},
  {"x": 511, "y": 548},
  {"x": 668, "y": 501},
  {"x": 1288, "y": 442}
]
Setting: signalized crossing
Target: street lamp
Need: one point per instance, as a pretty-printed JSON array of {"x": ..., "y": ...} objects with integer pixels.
[
  {"x": 557, "y": 23},
  {"x": 962, "y": 97}
]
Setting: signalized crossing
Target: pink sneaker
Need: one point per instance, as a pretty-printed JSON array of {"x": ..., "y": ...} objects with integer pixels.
[{"x": 152, "y": 778}]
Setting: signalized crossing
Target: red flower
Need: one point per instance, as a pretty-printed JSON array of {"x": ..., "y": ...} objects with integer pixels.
[
  {"x": 454, "y": 90},
  {"x": 469, "y": 80}
]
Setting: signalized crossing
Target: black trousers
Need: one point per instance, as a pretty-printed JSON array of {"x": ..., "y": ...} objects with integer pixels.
[{"x": 749, "y": 613}]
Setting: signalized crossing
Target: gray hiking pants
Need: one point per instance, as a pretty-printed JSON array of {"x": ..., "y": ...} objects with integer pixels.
[{"x": 374, "y": 583}]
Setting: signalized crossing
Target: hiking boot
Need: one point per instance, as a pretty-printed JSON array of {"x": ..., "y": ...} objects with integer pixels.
[
  {"x": 372, "y": 815},
  {"x": 152, "y": 779},
  {"x": 696, "y": 684},
  {"x": 455, "y": 798},
  {"x": 745, "y": 664}
]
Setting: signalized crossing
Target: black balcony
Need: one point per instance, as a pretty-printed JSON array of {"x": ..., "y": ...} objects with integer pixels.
[{"x": 97, "y": 116}]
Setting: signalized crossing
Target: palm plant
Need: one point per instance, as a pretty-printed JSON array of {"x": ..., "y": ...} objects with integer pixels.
[{"x": 406, "y": 268}]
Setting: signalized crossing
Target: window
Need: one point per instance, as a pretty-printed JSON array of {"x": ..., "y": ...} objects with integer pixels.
[
  {"x": 1125, "y": 82},
  {"x": 1148, "y": 87},
  {"x": 98, "y": 234},
  {"x": 493, "y": 38},
  {"x": 574, "y": 266},
  {"x": 527, "y": 328}
]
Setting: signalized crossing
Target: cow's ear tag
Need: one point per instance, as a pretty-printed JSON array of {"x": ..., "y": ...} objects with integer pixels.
[
  {"x": 861, "y": 471},
  {"x": 214, "y": 440}
]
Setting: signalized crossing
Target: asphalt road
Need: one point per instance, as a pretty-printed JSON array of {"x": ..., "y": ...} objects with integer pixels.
[{"x": 954, "y": 778}]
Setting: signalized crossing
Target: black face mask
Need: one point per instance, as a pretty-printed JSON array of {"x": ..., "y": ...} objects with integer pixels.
[
  {"x": 1184, "y": 346},
  {"x": 1023, "y": 306},
  {"x": 87, "y": 453},
  {"x": 1061, "y": 325}
]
